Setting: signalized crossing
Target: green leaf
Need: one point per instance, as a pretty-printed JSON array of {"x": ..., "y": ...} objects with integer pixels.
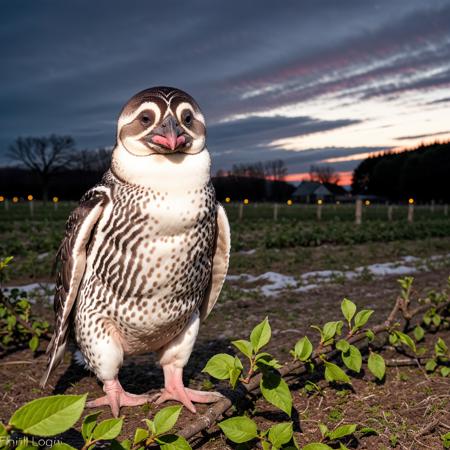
[
  {"x": 276, "y": 391},
  {"x": 239, "y": 429},
  {"x": 330, "y": 329},
  {"x": 370, "y": 335},
  {"x": 436, "y": 320},
  {"x": 280, "y": 434},
  {"x": 342, "y": 345},
  {"x": 303, "y": 349},
  {"x": 260, "y": 336},
  {"x": 33, "y": 343},
  {"x": 244, "y": 346},
  {"x": 348, "y": 309},
  {"x": 419, "y": 333},
  {"x": 340, "y": 432},
  {"x": 335, "y": 373},
  {"x": 267, "y": 360},
  {"x": 361, "y": 318},
  {"x": 165, "y": 419},
  {"x": 150, "y": 426},
  {"x": 323, "y": 429},
  {"x": 139, "y": 435},
  {"x": 107, "y": 429},
  {"x": 89, "y": 423},
  {"x": 367, "y": 431},
  {"x": 445, "y": 371},
  {"x": 122, "y": 445},
  {"x": 377, "y": 365},
  {"x": 235, "y": 372},
  {"x": 219, "y": 366},
  {"x": 431, "y": 365},
  {"x": 49, "y": 416},
  {"x": 316, "y": 446},
  {"x": 173, "y": 442},
  {"x": 446, "y": 440},
  {"x": 352, "y": 358},
  {"x": 440, "y": 348},
  {"x": 405, "y": 339},
  {"x": 393, "y": 339}
]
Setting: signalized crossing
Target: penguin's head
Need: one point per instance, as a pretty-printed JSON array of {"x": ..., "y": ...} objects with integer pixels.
[{"x": 161, "y": 121}]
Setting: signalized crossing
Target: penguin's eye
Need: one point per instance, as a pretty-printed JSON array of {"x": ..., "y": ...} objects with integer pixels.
[
  {"x": 187, "y": 117},
  {"x": 146, "y": 118}
]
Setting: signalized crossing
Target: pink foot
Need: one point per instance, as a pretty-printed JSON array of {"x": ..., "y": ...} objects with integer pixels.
[
  {"x": 116, "y": 397},
  {"x": 175, "y": 390}
]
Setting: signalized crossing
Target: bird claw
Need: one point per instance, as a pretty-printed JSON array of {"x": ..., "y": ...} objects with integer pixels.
[
  {"x": 116, "y": 397},
  {"x": 187, "y": 396}
]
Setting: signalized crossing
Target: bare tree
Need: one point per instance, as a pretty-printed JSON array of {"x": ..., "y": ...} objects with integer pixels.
[
  {"x": 255, "y": 170},
  {"x": 97, "y": 160},
  {"x": 323, "y": 174},
  {"x": 276, "y": 170},
  {"x": 43, "y": 155}
]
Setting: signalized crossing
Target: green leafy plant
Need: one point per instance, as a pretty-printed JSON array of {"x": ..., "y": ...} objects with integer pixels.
[
  {"x": 441, "y": 360},
  {"x": 226, "y": 367},
  {"x": 18, "y": 326},
  {"x": 242, "y": 429}
]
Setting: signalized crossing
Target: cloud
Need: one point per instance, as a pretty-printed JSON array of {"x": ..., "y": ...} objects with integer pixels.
[
  {"x": 257, "y": 131},
  {"x": 68, "y": 69},
  {"x": 421, "y": 136}
]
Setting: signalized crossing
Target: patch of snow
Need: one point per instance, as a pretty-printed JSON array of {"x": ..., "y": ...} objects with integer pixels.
[
  {"x": 276, "y": 282},
  {"x": 247, "y": 252}
]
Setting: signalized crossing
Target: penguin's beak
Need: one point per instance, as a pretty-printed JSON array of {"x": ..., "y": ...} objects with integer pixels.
[{"x": 168, "y": 134}]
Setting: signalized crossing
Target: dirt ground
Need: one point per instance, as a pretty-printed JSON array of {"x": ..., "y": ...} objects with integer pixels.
[{"x": 400, "y": 408}]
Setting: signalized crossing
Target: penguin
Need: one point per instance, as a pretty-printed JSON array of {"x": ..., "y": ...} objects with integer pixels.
[{"x": 146, "y": 252}]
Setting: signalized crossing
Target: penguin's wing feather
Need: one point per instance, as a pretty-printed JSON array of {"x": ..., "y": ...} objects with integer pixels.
[
  {"x": 72, "y": 263},
  {"x": 220, "y": 261}
]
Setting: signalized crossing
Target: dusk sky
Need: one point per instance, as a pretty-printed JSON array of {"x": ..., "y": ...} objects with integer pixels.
[{"x": 309, "y": 82}]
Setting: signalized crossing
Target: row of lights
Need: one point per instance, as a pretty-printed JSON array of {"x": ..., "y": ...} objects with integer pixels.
[
  {"x": 319, "y": 201},
  {"x": 29, "y": 198}
]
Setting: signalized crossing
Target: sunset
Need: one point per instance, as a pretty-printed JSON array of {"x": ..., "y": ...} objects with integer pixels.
[{"x": 309, "y": 83}]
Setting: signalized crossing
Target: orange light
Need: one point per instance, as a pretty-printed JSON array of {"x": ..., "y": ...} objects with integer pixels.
[
  {"x": 15, "y": 199},
  {"x": 246, "y": 201},
  {"x": 367, "y": 202},
  {"x": 289, "y": 202},
  {"x": 228, "y": 200},
  {"x": 411, "y": 201},
  {"x": 55, "y": 199},
  {"x": 2, "y": 199},
  {"x": 320, "y": 201},
  {"x": 30, "y": 197}
]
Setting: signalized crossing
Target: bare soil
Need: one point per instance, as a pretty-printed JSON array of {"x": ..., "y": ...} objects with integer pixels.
[{"x": 400, "y": 408}]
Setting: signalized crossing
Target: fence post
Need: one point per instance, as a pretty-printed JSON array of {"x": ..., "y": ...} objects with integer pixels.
[
  {"x": 275, "y": 211},
  {"x": 31, "y": 204},
  {"x": 389, "y": 213},
  {"x": 319, "y": 210},
  {"x": 6, "y": 204},
  {"x": 432, "y": 206},
  {"x": 241, "y": 211},
  {"x": 358, "y": 211},
  {"x": 445, "y": 210},
  {"x": 411, "y": 212}
]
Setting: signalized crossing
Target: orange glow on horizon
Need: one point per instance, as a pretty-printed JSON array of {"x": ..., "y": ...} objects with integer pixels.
[{"x": 345, "y": 178}]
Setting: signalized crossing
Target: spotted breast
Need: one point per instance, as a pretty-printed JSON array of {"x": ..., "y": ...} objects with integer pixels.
[{"x": 148, "y": 267}]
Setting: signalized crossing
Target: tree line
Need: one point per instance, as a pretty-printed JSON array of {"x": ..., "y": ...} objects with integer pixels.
[
  {"x": 420, "y": 174},
  {"x": 52, "y": 166}
]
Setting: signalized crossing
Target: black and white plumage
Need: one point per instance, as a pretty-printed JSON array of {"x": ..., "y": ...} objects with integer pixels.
[{"x": 146, "y": 252}]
